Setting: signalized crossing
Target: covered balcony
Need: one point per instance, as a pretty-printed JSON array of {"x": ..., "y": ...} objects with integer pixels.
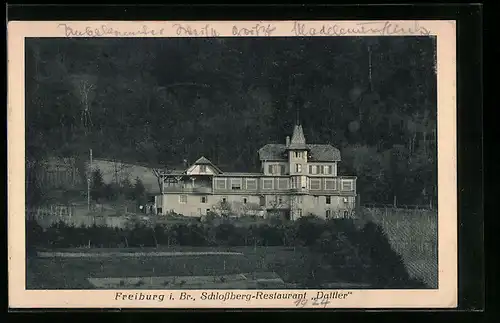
[{"x": 188, "y": 184}]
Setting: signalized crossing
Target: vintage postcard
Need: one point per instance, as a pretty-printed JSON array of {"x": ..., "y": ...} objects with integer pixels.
[{"x": 234, "y": 164}]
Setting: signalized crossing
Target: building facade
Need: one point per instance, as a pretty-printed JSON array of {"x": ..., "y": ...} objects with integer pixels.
[{"x": 296, "y": 179}]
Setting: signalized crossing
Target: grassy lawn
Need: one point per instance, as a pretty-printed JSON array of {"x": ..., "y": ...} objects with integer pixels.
[{"x": 72, "y": 273}]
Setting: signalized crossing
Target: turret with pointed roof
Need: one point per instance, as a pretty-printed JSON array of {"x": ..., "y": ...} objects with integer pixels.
[{"x": 298, "y": 140}]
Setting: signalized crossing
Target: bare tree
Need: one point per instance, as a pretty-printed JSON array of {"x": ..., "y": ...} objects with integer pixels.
[
  {"x": 85, "y": 86},
  {"x": 222, "y": 208},
  {"x": 276, "y": 205}
]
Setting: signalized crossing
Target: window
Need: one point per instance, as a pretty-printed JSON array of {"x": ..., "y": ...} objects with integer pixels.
[
  {"x": 315, "y": 184},
  {"x": 328, "y": 213},
  {"x": 262, "y": 201},
  {"x": 183, "y": 199},
  {"x": 203, "y": 168},
  {"x": 199, "y": 211},
  {"x": 347, "y": 185},
  {"x": 303, "y": 181},
  {"x": 329, "y": 184},
  {"x": 245, "y": 200},
  {"x": 298, "y": 168},
  {"x": 221, "y": 184},
  {"x": 327, "y": 169},
  {"x": 328, "y": 200},
  {"x": 158, "y": 210},
  {"x": 208, "y": 211},
  {"x": 267, "y": 184},
  {"x": 282, "y": 170},
  {"x": 203, "y": 199},
  {"x": 282, "y": 184},
  {"x": 299, "y": 211},
  {"x": 314, "y": 169},
  {"x": 270, "y": 169},
  {"x": 224, "y": 200},
  {"x": 251, "y": 184},
  {"x": 236, "y": 184}
]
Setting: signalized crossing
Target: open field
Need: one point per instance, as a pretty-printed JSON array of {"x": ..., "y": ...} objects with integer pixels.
[
  {"x": 412, "y": 234},
  {"x": 70, "y": 273}
]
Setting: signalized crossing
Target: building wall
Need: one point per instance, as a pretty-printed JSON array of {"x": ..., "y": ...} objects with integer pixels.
[
  {"x": 194, "y": 206},
  {"x": 333, "y": 166},
  {"x": 270, "y": 168},
  {"x": 254, "y": 204},
  {"x": 317, "y": 205},
  {"x": 301, "y": 160}
]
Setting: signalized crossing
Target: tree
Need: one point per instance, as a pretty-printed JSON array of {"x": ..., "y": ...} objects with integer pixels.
[
  {"x": 97, "y": 190},
  {"x": 223, "y": 208},
  {"x": 127, "y": 190},
  {"x": 160, "y": 102},
  {"x": 111, "y": 192},
  {"x": 276, "y": 205},
  {"x": 85, "y": 91},
  {"x": 309, "y": 228},
  {"x": 140, "y": 195}
]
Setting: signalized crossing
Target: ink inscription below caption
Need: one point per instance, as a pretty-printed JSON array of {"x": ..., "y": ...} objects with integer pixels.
[{"x": 322, "y": 299}]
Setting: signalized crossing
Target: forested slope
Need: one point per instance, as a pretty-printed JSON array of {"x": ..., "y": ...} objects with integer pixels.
[{"x": 163, "y": 101}]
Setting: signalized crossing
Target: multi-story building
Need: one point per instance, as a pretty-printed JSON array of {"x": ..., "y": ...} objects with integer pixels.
[{"x": 296, "y": 179}]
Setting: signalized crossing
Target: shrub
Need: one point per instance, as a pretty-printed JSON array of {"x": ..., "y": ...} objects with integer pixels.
[{"x": 340, "y": 249}]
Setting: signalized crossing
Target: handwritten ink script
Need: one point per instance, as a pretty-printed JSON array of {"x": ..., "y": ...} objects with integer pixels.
[
  {"x": 362, "y": 28},
  {"x": 257, "y": 30},
  {"x": 187, "y": 30},
  {"x": 301, "y": 29},
  {"x": 322, "y": 299},
  {"x": 105, "y": 30}
]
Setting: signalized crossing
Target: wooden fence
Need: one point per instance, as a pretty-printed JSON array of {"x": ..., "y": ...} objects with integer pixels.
[{"x": 75, "y": 215}]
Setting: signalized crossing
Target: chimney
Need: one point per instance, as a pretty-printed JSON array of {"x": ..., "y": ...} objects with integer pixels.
[{"x": 287, "y": 141}]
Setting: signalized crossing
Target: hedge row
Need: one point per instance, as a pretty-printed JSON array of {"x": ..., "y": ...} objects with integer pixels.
[{"x": 337, "y": 244}]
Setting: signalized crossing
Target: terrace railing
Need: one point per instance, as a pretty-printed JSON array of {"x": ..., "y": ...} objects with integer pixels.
[{"x": 189, "y": 189}]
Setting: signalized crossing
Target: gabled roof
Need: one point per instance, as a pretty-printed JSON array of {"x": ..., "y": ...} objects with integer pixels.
[
  {"x": 204, "y": 161},
  {"x": 277, "y": 152}
]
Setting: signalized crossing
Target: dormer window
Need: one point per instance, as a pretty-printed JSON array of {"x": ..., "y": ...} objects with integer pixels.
[{"x": 203, "y": 168}]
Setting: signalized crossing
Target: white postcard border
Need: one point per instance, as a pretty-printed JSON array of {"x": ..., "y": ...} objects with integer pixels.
[{"x": 443, "y": 297}]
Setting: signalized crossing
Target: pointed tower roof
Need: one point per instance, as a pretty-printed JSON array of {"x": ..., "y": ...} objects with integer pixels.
[{"x": 298, "y": 140}]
